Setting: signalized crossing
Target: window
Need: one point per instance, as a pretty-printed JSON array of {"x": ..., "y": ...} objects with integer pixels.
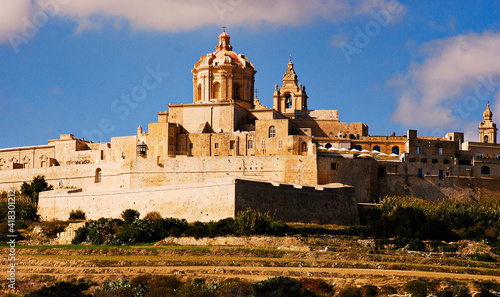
[
  {"x": 486, "y": 138},
  {"x": 423, "y": 160},
  {"x": 160, "y": 150},
  {"x": 446, "y": 161},
  {"x": 485, "y": 170},
  {"x": 395, "y": 150},
  {"x": 263, "y": 145},
  {"x": 216, "y": 145},
  {"x": 419, "y": 149},
  {"x": 420, "y": 173},
  {"x": 236, "y": 92},
  {"x": 328, "y": 145},
  {"x": 199, "y": 92},
  {"x": 250, "y": 144},
  {"x": 480, "y": 155},
  {"x": 98, "y": 175},
  {"x": 160, "y": 131},
  {"x": 376, "y": 148},
  {"x": 333, "y": 166},
  {"x": 102, "y": 155},
  {"x": 216, "y": 90},
  {"x": 412, "y": 160},
  {"x": 440, "y": 151},
  {"x": 231, "y": 145},
  {"x": 441, "y": 174},
  {"x": 303, "y": 147},
  {"x": 434, "y": 161},
  {"x": 272, "y": 132},
  {"x": 359, "y": 147},
  {"x": 280, "y": 145},
  {"x": 498, "y": 156}
]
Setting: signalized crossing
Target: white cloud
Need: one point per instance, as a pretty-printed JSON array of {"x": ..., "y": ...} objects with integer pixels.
[
  {"x": 174, "y": 16},
  {"x": 13, "y": 14},
  {"x": 452, "y": 83}
]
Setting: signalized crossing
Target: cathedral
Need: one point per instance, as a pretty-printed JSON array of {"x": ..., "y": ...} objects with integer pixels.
[{"x": 226, "y": 152}]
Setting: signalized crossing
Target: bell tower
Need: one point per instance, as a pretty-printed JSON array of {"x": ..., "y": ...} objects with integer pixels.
[
  {"x": 488, "y": 129},
  {"x": 290, "y": 97},
  {"x": 224, "y": 76}
]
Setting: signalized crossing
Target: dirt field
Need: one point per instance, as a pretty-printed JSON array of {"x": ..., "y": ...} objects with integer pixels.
[{"x": 342, "y": 262}]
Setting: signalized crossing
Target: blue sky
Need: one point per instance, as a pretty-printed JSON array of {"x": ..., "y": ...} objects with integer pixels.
[{"x": 65, "y": 65}]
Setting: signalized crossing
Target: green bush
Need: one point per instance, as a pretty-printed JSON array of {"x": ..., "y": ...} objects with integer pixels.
[
  {"x": 482, "y": 257},
  {"x": 252, "y": 222},
  {"x": 130, "y": 215},
  {"x": 419, "y": 287},
  {"x": 277, "y": 286},
  {"x": 33, "y": 189},
  {"x": 62, "y": 289},
  {"x": 25, "y": 211},
  {"x": 77, "y": 215}
]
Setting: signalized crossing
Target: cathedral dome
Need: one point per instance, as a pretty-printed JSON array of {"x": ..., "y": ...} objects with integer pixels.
[{"x": 224, "y": 55}]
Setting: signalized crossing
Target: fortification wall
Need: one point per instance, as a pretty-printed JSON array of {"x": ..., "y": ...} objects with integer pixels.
[
  {"x": 210, "y": 200},
  {"x": 457, "y": 182},
  {"x": 359, "y": 173},
  {"x": 206, "y": 201},
  {"x": 293, "y": 203}
]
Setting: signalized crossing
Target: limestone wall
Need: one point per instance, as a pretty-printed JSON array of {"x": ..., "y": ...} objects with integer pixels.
[
  {"x": 195, "y": 202},
  {"x": 293, "y": 203},
  {"x": 210, "y": 200}
]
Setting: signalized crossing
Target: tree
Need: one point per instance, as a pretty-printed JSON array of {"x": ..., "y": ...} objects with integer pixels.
[{"x": 33, "y": 189}]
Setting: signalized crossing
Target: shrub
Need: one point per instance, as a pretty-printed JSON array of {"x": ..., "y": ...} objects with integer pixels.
[
  {"x": 316, "y": 285},
  {"x": 130, "y": 215},
  {"x": 62, "y": 289},
  {"x": 98, "y": 232},
  {"x": 482, "y": 257},
  {"x": 33, "y": 189},
  {"x": 234, "y": 287},
  {"x": 153, "y": 215},
  {"x": 197, "y": 230},
  {"x": 277, "y": 286},
  {"x": 419, "y": 287},
  {"x": 252, "y": 222},
  {"x": 26, "y": 211},
  {"x": 51, "y": 228},
  {"x": 77, "y": 215}
]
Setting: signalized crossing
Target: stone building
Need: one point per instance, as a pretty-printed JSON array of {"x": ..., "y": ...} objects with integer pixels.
[{"x": 225, "y": 152}]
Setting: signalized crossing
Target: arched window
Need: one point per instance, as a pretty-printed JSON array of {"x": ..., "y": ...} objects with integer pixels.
[
  {"x": 328, "y": 145},
  {"x": 486, "y": 138},
  {"x": 216, "y": 90},
  {"x": 359, "y": 147},
  {"x": 303, "y": 147},
  {"x": 485, "y": 170},
  {"x": 272, "y": 132},
  {"x": 395, "y": 150},
  {"x": 236, "y": 91},
  {"x": 199, "y": 92},
  {"x": 98, "y": 175},
  {"x": 376, "y": 148}
]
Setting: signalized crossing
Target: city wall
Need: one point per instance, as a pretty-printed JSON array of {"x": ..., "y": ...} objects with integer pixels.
[{"x": 210, "y": 200}]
